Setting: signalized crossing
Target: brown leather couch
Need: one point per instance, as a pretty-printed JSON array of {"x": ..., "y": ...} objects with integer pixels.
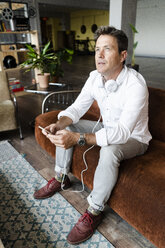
[{"x": 139, "y": 195}]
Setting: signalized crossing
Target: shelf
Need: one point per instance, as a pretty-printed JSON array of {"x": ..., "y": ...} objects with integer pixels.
[
  {"x": 15, "y": 50},
  {"x": 20, "y": 32},
  {"x": 18, "y": 53},
  {"x": 16, "y": 68}
]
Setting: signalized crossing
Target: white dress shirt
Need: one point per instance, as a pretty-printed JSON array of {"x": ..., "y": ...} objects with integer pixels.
[{"x": 123, "y": 106}]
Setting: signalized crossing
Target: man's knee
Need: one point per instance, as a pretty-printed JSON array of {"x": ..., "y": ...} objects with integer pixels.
[{"x": 111, "y": 153}]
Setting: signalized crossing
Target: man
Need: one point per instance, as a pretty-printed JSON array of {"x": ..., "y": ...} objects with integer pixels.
[{"x": 122, "y": 96}]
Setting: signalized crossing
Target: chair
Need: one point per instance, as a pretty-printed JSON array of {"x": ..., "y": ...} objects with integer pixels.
[
  {"x": 59, "y": 100},
  {"x": 9, "y": 119}
]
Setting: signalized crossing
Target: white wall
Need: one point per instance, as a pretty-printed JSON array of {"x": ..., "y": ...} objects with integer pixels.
[{"x": 150, "y": 23}]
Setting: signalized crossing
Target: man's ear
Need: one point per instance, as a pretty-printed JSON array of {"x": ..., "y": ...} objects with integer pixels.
[{"x": 123, "y": 55}]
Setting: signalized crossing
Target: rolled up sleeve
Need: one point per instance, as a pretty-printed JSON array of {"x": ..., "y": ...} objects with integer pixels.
[{"x": 101, "y": 137}]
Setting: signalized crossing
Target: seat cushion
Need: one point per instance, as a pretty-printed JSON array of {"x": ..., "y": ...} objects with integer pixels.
[
  {"x": 139, "y": 195},
  {"x": 7, "y": 116},
  {"x": 4, "y": 89}
]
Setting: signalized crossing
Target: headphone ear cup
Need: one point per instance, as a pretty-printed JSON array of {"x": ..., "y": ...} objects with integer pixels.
[{"x": 111, "y": 86}]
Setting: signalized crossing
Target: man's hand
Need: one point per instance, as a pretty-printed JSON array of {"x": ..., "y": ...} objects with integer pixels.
[
  {"x": 53, "y": 128},
  {"x": 64, "y": 138},
  {"x": 61, "y": 124},
  {"x": 61, "y": 137}
]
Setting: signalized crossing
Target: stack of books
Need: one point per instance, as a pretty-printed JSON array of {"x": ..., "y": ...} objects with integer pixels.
[{"x": 15, "y": 85}]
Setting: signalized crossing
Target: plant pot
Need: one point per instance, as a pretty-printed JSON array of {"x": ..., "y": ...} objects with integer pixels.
[{"x": 43, "y": 80}]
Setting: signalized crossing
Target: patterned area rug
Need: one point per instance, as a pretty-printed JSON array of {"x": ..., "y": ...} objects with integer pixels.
[{"x": 29, "y": 223}]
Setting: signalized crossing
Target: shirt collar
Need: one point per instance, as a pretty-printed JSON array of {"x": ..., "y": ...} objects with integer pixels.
[{"x": 119, "y": 80}]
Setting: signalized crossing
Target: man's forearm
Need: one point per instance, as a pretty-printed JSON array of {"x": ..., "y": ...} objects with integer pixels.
[
  {"x": 63, "y": 122},
  {"x": 90, "y": 138}
]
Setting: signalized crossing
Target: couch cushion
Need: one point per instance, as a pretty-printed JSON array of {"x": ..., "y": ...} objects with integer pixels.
[
  {"x": 7, "y": 115},
  {"x": 139, "y": 195},
  {"x": 4, "y": 89},
  {"x": 157, "y": 113}
]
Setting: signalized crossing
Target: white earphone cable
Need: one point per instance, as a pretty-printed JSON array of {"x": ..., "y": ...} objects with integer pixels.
[{"x": 86, "y": 166}]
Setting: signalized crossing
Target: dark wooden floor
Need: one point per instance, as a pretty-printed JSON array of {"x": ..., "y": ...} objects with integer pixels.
[{"x": 116, "y": 230}]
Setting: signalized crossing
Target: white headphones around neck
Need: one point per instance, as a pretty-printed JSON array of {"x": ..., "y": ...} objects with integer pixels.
[{"x": 111, "y": 86}]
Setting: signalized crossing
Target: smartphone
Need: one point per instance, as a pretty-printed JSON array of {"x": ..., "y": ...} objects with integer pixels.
[{"x": 44, "y": 129}]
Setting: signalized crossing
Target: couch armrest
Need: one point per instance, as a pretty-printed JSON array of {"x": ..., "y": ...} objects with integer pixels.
[{"x": 44, "y": 120}]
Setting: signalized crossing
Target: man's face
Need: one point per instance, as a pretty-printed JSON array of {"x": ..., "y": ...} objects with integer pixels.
[{"x": 108, "y": 60}]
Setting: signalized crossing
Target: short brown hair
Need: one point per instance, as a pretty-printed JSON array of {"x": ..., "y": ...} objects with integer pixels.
[{"x": 122, "y": 39}]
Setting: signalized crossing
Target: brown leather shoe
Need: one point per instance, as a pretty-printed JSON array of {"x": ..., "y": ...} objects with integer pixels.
[
  {"x": 51, "y": 188},
  {"x": 84, "y": 228}
]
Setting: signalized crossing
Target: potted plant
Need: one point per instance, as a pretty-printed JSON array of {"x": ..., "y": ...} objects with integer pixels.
[
  {"x": 47, "y": 62},
  {"x": 133, "y": 65},
  {"x": 40, "y": 61},
  {"x": 55, "y": 67}
]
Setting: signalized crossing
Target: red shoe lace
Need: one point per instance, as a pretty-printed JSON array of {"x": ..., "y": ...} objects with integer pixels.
[{"x": 86, "y": 219}]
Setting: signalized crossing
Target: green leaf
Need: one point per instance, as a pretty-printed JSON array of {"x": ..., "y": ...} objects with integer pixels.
[
  {"x": 71, "y": 52},
  {"x": 33, "y": 55},
  {"x": 135, "y": 44},
  {"x": 30, "y": 48},
  {"x": 46, "y": 48},
  {"x": 133, "y": 28}
]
